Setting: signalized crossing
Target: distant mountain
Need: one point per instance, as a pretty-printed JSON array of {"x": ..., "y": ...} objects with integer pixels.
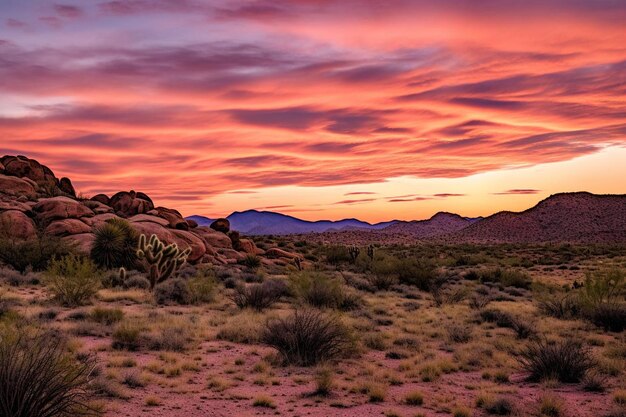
[
  {"x": 439, "y": 224},
  {"x": 254, "y": 222},
  {"x": 566, "y": 217}
]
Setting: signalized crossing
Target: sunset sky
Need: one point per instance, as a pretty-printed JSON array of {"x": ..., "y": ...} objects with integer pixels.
[{"x": 322, "y": 109}]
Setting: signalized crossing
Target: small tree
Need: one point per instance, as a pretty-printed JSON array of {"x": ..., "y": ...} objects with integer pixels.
[{"x": 161, "y": 261}]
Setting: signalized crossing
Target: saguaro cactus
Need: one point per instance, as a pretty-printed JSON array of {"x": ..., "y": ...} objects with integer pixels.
[
  {"x": 370, "y": 252},
  {"x": 354, "y": 252},
  {"x": 161, "y": 261}
]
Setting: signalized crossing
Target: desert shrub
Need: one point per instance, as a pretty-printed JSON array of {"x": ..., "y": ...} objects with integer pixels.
[
  {"x": 251, "y": 261},
  {"x": 459, "y": 334},
  {"x": 521, "y": 327},
  {"x": 137, "y": 281},
  {"x": 40, "y": 379},
  {"x": 202, "y": 286},
  {"x": 106, "y": 316},
  {"x": 174, "y": 338},
  {"x": 15, "y": 278},
  {"x": 115, "y": 245},
  {"x": 317, "y": 289},
  {"x": 307, "y": 337},
  {"x": 602, "y": 299},
  {"x": 560, "y": 306},
  {"x": 336, "y": 255},
  {"x": 258, "y": 296},
  {"x": 126, "y": 336},
  {"x": 418, "y": 272},
  {"x": 72, "y": 279},
  {"x": 175, "y": 290},
  {"x": 505, "y": 277},
  {"x": 444, "y": 292},
  {"x": 551, "y": 406},
  {"x": 34, "y": 253},
  {"x": 382, "y": 281},
  {"x": 603, "y": 287},
  {"x": 609, "y": 316},
  {"x": 565, "y": 361}
]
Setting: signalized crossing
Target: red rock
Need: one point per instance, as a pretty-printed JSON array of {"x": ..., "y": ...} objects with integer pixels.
[
  {"x": 101, "y": 198},
  {"x": 129, "y": 203},
  {"x": 175, "y": 219},
  {"x": 279, "y": 253},
  {"x": 83, "y": 241},
  {"x": 186, "y": 239},
  {"x": 98, "y": 219},
  {"x": 213, "y": 238},
  {"x": 148, "y": 218},
  {"x": 67, "y": 227},
  {"x": 231, "y": 254},
  {"x": 221, "y": 225},
  {"x": 55, "y": 208},
  {"x": 17, "y": 224},
  {"x": 248, "y": 246},
  {"x": 16, "y": 186},
  {"x": 192, "y": 223},
  {"x": 97, "y": 207}
]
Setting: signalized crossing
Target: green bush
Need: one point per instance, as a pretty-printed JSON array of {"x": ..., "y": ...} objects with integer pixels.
[
  {"x": 602, "y": 299},
  {"x": 34, "y": 253},
  {"x": 115, "y": 245},
  {"x": 39, "y": 378},
  {"x": 317, "y": 289},
  {"x": 251, "y": 261},
  {"x": 72, "y": 279}
]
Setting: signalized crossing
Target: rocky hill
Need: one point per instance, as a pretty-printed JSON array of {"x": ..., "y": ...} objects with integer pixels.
[
  {"x": 33, "y": 200},
  {"x": 255, "y": 222},
  {"x": 439, "y": 224},
  {"x": 567, "y": 217}
]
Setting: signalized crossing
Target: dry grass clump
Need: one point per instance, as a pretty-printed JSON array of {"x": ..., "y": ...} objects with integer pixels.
[
  {"x": 242, "y": 328},
  {"x": 40, "y": 378},
  {"x": 324, "y": 381},
  {"x": 258, "y": 296},
  {"x": 307, "y": 337},
  {"x": 565, "y": 361},
  {"x": 106, "y": 316},
  {"x": 264, "y": 402}
]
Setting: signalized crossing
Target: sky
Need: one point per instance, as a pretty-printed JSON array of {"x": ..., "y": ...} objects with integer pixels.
[{"x": 321, "y": 109}]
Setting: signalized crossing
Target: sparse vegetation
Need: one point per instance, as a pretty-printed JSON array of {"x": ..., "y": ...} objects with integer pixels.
[
  {"x": 73, "y": 280},
  {"x": 565, "y": 361}
]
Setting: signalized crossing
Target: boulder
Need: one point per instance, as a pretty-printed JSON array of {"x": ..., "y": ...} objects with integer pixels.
[
  {"x": 213, "y": 238},
  {"x": 231, "y": 254},
  {"x": 97, "y": 207},
  {"x": 174, "y": 218},
  {"x": 221, "y": 225},
  {"x": 101, "y": 198},
  {"x": 129, "y": 203},
  {"x": 82, "y": 241},
  {"x": 248, "y": 246},
  {"x": 1, "y": 168},
  {"x": 21, "y": 166},
  {"x": 280, "y": 253},
  {"x": 148, "y": 218},
  {"x": 55, "y": 208},
  {"x": 67, "y": 227},
  {"x": 13, "y": 204},
  {"x": 192, "y": 223},
  {"x": 17, "y": 224},
  {"x": 186, "y": 239},
  {"x": 66, "y": 186},
  {"x": 98, "y": 219},
  {"x": 16, "y": 186}
]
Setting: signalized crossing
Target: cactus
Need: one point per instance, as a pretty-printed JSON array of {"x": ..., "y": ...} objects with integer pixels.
[
  {"x": 161, "y": 261},
  {"x": 297, "y": 261},
  {"x": 370, "y": 252},
  {"x": 354, "y": 252}
]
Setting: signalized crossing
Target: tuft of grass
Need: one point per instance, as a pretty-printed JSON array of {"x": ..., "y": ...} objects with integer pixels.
[
  {"x": 153, "y": 401},
  {"x": 106, "y": 316},
  {"x": 263, "y": 401},
  {"x": 414, "y": 398},
  {"x": 324, "y": 381},
  {"x": 551, "y": 406}
]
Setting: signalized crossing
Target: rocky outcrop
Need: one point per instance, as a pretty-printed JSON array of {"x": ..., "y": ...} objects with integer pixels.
[
  {"x": 221, "y": 225},
  {"x": 17, "y": 224},
  {"x": 55, "y": 208},
  {"x": 129, "y": 203},
  {"x": 32, "y": 199}
]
